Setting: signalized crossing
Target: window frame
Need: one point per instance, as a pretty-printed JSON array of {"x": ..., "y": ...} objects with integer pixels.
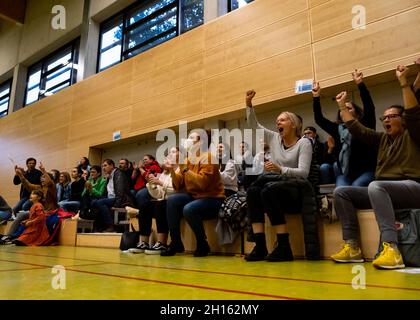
[
  {"x": 229, "y": 4},
  {"x": 73, "y": 47},
  {"x": 123, "y": 16},
  {"x": 7, "y": 83}
]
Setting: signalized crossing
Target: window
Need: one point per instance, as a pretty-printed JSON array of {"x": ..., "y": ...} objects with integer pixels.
[
  {"x": 144, "y": 26},
  {"x": 5, "y": 97},
  {"x": 236, "y": 4},
  {"x": 50, "y": 75}
]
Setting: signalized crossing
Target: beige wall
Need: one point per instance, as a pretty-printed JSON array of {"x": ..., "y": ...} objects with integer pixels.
[
  {"x": 267, "y": 46},
  {"x": 10, "y": 34}
]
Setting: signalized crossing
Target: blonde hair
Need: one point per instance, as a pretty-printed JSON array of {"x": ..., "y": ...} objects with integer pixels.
[{"x": 295, "y": 120}]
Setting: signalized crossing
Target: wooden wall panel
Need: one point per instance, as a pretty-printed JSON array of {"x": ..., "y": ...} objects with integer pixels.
[
  {"x": 377, "y": 49},
  {"x": 270, "y": 76},
  {"x": 335, "y": 17},
  {"x": 104, "y": 92},
  {"x": 284, "y": 35},
  {"x": 254, "y": 16},
  {"x": 180, "y": 104}
]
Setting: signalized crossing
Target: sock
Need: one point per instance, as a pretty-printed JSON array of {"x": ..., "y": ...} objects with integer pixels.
[{"x": 353, "y": 243}]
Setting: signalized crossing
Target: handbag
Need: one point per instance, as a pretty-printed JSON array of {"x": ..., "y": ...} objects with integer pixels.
[{"x": 129, "y": 239}]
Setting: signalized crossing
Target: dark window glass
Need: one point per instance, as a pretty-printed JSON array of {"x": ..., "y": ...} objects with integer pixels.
[
  {"x": 236, "y": 4},
  {"x": 192, "y": 14},
  {"x": 144, "y": 26},
  {"x": 5, "y": 88}
]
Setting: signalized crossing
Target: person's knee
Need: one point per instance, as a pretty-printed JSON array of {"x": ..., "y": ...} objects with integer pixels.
[
  {"x": 341, "y": 192},
  {"x": 374, "y": 187},
  {"x": 189, "y": 211}
]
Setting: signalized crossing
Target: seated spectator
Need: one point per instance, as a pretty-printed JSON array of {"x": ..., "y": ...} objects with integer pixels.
[
  {"x": 227, "y": 170},
  {"x": 153, "y": 203},
  {"x": 95, "y": 188},
  {"x": 33, "y": 176},
  {"x": 84, "y": 165},
  {"x": 148, "y": 166},
  {"x": 127, "y": 167},
  {"x": 76, "y": 189},
  {"x": 289, "y": 158},
  {"x": 243, "y": 161},
  {"x": 200, "y": 196},
  {"x": 325, "y": 157},
  {"x": 5, "y": 211},
  {"x": 356, "y": 160},
  {"x": 117, "y": 195},
  {"x": 63, "y": 187},
  {"x": 397, "y": 182},
  {"x": 49, "y": 191},
  {"x": 36, "y": 231},
  {"x": 55, "y": 175}
]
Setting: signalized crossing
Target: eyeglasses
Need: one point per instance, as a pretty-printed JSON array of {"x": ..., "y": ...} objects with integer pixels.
[{"x": 389, "y": 116}]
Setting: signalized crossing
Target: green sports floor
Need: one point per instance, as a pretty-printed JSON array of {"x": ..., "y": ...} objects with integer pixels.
[{"x": 97, "y": 273}]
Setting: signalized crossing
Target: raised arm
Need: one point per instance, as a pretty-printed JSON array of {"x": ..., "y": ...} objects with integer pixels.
[
  {"x": 411, "y": 105},
  {"x": 369, "y": 117},
  {"x": 251, "y": 117},
  {"x": 26, "y": 184},
  {"x": 327, "y": 125},
  {"x": 359, "y": 131}
]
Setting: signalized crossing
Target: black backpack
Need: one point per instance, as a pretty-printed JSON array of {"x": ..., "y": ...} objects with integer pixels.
[
  {"x": 408, "y": 225},
  {"x": 234, "y": 211}
]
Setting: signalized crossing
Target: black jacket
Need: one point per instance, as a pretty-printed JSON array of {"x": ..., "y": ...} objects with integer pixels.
[
  {"x": 33, "y": 177},
  {"x": 123, "y": 195},
  {"x": 362, "y": 156}
]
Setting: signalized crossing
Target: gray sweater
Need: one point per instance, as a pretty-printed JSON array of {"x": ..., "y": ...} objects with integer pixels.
[{"x": 294, "y": 161}]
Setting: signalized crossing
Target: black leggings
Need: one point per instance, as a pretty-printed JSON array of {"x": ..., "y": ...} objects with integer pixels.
[
  {"x": 273, "y": 199},
  {"x": 149, "y": 210}
]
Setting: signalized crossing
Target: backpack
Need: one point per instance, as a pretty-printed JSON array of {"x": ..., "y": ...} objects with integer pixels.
[
  {"x": 233, "y": 211},
  {"x": 408, "y": 225}
]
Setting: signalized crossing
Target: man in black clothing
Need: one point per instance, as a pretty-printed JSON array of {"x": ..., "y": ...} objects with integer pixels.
[
  {"x": 118, "y": 195},
  {"x": 33, "y": 175},
  {"x": 124, "y": 166}
]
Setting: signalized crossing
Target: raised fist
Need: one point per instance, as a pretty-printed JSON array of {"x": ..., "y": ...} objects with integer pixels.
[
  {"x": 316, "y": 89},
  {"x": 357, "y": 76},
  {"x": 250, "y": 94},
  {"x": 342, "y": 98},
  {"x": 401, "y": 73}
]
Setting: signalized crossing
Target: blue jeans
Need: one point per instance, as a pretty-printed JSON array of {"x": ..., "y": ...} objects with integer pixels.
[
  {"x": 5, "y": 215},
  {"x": 193, "y": 210},
  {"x": 362, "y": 181},
  {"x": 69, "y": 206},
  {"x": 326, "y": 174},
  {"x": 104, "y": 205},
  {"x": 23, "y": 204}
]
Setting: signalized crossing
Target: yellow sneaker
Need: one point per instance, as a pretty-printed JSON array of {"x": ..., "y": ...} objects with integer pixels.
[
  {"x": 389, "y": 258},
  {"x": 348, "y": 254}
]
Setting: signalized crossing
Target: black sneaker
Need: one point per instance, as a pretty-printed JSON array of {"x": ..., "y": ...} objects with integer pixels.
[
  {"x": 157, "y": 248},
  {"x": 280, "y": 253},
  {"x": 256, "y": 255},
  {"x": 172, "y": 250},
  {"x": 202, "y": 250},
  {"x": 141, "y": 247}
]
